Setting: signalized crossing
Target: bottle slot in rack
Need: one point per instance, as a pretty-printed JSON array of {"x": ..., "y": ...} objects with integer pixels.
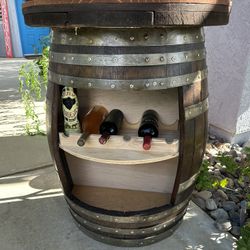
[{"x": 120, "y": 149}]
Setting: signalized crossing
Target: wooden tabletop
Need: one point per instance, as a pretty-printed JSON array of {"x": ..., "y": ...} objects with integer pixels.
[{"x": 126, "y": 13}]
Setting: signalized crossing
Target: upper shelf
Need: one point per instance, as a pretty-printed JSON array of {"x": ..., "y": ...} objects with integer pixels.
[
  {"x": 118, "y": 150},
  {"x": 126, "y": 13}
]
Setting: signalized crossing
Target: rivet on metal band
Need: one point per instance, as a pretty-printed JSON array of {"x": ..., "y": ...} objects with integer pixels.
[
  {"x": 128, "y": 59},
  {"x": 137, "y": 84},
  {"x": 116, "y": 231},
  {"x": 137, "y": 219},
  {"x": 196, "y": 109},
  {"x": 130, "y": 242},
  {"x": 128, "y": 37}
]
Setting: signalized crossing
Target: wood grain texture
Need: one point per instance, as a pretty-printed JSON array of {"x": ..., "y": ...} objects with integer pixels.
[
  {"x": 155, "y": 177},
  {"x": 120, "y": 199},
  {"x": 193, "y": 134},
  {"x": 113, "y": 13},
  {"x": 48, "y": 2},
  {"x": 133, "y": 104},
  {"x": 127, "y": 73},
  {"x": 125, "y": 219},
  {"x": 118, "y": 151},
  {"x": 54, "y": 123}
]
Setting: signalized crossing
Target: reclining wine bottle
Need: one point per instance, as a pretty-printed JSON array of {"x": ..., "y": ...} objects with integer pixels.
[
  {"x": 111, "y": 125},
  {"x": 91, "y": 123},
  {"x": 148, "y": 127},
  {"x": 70, "y": 110}
]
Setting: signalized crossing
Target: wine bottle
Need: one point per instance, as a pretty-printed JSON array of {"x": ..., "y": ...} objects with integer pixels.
[
  {"x": 148, "y": 127},
  {"x": 91, "y": 123},
  {"x": 70, "y": 110},
  {"x": 111, "y": 125}
]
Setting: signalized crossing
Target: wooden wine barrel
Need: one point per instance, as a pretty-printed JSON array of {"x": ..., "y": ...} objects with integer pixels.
[
  {"x": 118, "y": 193},
  {"x": 126, "y": 13}
]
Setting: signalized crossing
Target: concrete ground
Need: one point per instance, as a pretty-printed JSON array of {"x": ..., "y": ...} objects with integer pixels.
[
  {"x": 33, "y": 212},
  {"x": 34, "y": 215},
  {"x": 12, "y": 114}
]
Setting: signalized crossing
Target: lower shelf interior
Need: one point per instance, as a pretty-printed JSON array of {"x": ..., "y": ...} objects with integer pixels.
[{"x": 120, "y": 199}]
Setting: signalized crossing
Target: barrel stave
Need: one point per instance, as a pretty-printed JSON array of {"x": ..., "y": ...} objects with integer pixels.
[{"x": 185, "y": 75}]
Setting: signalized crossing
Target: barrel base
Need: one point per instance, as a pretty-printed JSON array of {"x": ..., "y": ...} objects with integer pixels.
[
  {"x": 127, "y": 230},
  {"x": 128, "y": 242}
]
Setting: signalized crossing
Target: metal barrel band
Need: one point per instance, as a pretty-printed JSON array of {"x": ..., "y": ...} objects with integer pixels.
[
  {"x": 127, "y": 37},
  {"x": 142, "y": 219},
  {"x": 184, "y": 185},
  {"x": 197, "y": 109},
  {"x": 132, "y": 232},
  {"x": 128, "y": 59},
  {"x": 131, "y": 242},
  {"x": 137, "y": 84}
]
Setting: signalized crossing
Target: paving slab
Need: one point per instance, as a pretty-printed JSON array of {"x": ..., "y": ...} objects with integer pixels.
[
  {"x": 9, "y": 83},
  {"x": 34, "y": 216},
  {"x": 23, "y": 153}
]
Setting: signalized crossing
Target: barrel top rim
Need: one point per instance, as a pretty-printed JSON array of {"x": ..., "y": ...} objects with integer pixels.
[
  {"x": 127, "y": 13},
  {"x": 131, "y": 2}
]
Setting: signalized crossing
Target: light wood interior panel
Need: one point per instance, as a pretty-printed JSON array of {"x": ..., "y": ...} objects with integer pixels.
[
  {"x": 154, "y": 177},
  {"x": 120, "y": 199},
  {"x": 133, "y": 103},
  {"x": 119, "y": 151}
]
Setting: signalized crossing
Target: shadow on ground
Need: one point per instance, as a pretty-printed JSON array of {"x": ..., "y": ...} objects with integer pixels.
[{"x": 34, "y": 215}]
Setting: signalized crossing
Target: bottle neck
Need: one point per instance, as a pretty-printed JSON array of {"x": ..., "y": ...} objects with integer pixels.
[
  {"x": 104, "y": 138},
  {"x": 147, "y": 140},
  {"x": 82, "y": 140}
]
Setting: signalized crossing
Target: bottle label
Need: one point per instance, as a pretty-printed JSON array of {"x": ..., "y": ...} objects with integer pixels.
[{"x": 70, "y": 110}]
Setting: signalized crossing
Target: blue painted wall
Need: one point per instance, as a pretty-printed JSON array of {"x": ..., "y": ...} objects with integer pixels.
[{"x": 30, "y": 37}]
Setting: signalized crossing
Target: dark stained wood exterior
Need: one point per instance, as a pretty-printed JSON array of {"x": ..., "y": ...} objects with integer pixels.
[
  {"x": 54, "y": 125},
  {"x": 123, "y": 46},
  {"x": 128, "y": 13},
  {"x": 193, "y": 136},
  {"x": 132, "y": 228}
]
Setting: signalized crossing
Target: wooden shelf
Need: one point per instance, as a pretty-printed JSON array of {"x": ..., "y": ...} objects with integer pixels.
[{"x": 119, "y": 151}]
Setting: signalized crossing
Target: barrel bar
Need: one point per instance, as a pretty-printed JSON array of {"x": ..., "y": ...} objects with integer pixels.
[
  {"x": 54, "y": 125},
  {"x": 134, "y": 242},
  {"x": 185, "y": 185},
  {"x": 138, "y": 84},
  {"x": 127, "y": 37},
  {"x": 128, "y": 59},
  {"x": 195, "y": 110},
  {"x": 132, "y": 233},
  {"x": 193, "y": 106},
  {"x": 130, "y": 219}
]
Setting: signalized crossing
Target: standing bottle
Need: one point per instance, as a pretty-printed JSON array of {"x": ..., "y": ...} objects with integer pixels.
[
  {"x": 148, "y": 127},
  {"x": 111, "y": 125},
  {"x": 70, "y": 107},
  {"x": 91, "y": 123}
]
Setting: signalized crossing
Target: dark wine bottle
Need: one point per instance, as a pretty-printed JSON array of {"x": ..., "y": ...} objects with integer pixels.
[
  {"x": 111, "y": 125},
  {"x": 148, "y": 127},
  {"x": 91, "y": 123}
]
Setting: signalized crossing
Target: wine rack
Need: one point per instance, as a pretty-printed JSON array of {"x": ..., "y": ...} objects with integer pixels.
[
  {"x": 120, "y": 149},
  {"x": 150, "y": 171}
]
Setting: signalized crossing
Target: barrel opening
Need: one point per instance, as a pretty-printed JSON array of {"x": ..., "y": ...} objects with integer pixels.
[{"x": 120, "y": 175}]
